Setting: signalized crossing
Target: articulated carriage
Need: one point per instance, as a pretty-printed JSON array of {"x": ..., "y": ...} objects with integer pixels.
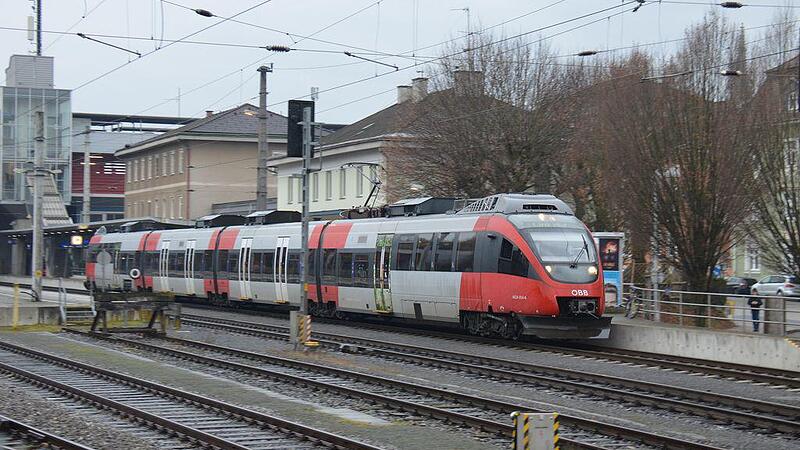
[{"x": 508, "y": 265}]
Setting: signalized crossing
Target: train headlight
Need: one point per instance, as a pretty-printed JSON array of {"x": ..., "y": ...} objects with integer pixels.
[
  {"x": 592, "y": 270},
  {"x": 548, "y": 269}
]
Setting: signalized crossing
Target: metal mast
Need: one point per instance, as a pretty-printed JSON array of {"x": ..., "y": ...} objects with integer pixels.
[
  {"x": 263, "y": 144},
  {"x": 87, "y": 174},
  {"x": 37, "y": 246}
]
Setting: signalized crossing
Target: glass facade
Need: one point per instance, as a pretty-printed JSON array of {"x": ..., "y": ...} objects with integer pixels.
[{"x": 17, "y": 112}]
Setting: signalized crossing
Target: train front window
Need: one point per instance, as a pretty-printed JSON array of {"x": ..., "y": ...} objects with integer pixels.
[{"x": 562, "y": 244}]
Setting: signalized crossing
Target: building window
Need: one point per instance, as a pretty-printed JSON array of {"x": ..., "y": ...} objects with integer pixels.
[
  {"x": 299, "y": 190},
  {"x": 180, "y": 161},
  {"x": 289, "y": 190},
  {"x": 149, "y": 208},
  {"x": 180, "y": 207},
  {"x": 142, "y": 168},
  {"x": 752, "y": 257},
  {"x": 149, "y": 167},
  {"x": 172, "y": 207},
  {"x": 156, "y": 172},
  {"x": 172, "y": 162},
  {"x": 315, "y": 187},
  {"x": 129, "y": 174},
  {"x": 791, "y": 101},
  {"x": 164, "y": 165},
  {"x": 328, "y": 185},
  {"x": 373, "y": 174},
  {"x": 155, "y": 208},
  {"x": 342, "y": 182},
  {"x": 359, "y": 182}
]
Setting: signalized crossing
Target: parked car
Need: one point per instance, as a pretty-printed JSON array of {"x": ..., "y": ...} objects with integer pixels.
[
  {"x": 786, "y": 285},
  {"x": 739, "y": 285}
]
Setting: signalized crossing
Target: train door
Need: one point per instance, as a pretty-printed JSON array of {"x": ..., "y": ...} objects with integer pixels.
[
  {"x": 381, "y": 279},
  {"x": 245, "y": 258},
  {"x": 163, "y": 266},
  {"x": 188, "y": 266},
  {"x": 279, "y": 269}
]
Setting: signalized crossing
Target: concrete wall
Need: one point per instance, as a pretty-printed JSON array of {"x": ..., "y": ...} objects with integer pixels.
[
  {"x": 755, "y": 350},
  {"x": 30, "y": 315}
]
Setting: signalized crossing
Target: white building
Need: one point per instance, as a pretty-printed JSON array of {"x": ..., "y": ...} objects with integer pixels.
[{"x": 351, "y": 159}]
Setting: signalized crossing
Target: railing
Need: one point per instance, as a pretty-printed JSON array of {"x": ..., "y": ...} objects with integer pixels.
[{"x": 777, "y": 315}]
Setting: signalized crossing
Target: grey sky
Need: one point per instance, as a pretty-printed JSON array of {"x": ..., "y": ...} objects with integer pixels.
[{"x": 388, "y": 27}]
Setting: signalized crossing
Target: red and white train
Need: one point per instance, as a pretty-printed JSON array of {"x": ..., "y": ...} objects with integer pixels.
[{"x": 508, "y": 265}]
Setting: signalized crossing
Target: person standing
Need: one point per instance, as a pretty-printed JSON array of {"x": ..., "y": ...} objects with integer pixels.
[{"x": 755, "y": 308}]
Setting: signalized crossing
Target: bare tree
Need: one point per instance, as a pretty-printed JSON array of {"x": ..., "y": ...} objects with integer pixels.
[
  {"x": 683, "y": 156},
  {"x": 497, "y": 122},
  {"x": 776, "y": 151}
]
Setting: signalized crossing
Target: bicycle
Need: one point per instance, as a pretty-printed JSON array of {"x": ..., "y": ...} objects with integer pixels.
[{"x": 633, "y": 305}]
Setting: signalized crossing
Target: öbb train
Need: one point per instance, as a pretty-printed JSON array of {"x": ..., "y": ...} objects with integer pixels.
[{"x": 508, "y": 265}]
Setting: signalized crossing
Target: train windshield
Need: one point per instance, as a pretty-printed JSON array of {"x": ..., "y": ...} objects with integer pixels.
[{"x": 562, "y": 244}]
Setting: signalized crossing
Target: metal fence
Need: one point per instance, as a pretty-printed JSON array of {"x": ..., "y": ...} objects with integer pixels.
[{"x": 777, "y": 315}]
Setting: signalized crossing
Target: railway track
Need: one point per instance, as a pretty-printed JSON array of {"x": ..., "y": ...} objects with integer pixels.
[
  {"x": 774, "y": 377},
  {"x": 16, "y": 435},
  {"x": 199, "y": 419},
  {"x": 745, "y": 412},
  {"x": 478, "y": 412}
]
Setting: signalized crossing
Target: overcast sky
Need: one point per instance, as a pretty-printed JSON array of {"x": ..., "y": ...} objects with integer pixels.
[{"x": 388, "y": 26}]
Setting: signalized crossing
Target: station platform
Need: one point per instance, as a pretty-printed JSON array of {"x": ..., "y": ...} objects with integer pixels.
[
  {"x": 731, "y": 346},
  {"x": 45, "y": 312}
]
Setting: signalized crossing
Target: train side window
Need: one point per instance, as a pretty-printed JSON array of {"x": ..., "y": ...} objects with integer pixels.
[
  {"x": 222, "y": 264},
  {"x": 512, "y": 261},
  {"x": 422, "y": 256},
  {"x": 345, "y": 269},
  {"x": 443, "y": 259},
  {"x": 405, "y": 252},
  {"x": 312, "y": 264},
  {"x": 465, "y": 252},
  {"x": 269, "y": 262},
  {"x": 293, "y": 269},
  {"x": 361, "y": 270},
  {"x": 233, "y": 264},
  {"x": 208, "y": 265},
  {"x": 255, "y": 266},
  {"x": 329, "y": 267}
]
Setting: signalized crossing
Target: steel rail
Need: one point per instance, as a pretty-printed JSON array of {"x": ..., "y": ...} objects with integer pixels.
[
  {"x": 772, "y": 376},
  {"x": 290, "y": 428},
  {"x": 40, "y": 437},
  {"x": 788, "y": 419},
  {"x": 604, "y": 428},
  {"x": 776, "y": 377}
]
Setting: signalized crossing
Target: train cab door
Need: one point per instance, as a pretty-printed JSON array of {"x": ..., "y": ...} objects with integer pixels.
[
  {"x": 163, "y": 266},
  {"x": 245, "y": 258},
  {"x": 381, "y": 279},
  {"x": 279, "y": 269},
  {"x": 188, "y": 266}
]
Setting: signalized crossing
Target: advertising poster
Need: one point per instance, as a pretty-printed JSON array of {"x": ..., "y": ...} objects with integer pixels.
[{"x": 610, "y": 251}]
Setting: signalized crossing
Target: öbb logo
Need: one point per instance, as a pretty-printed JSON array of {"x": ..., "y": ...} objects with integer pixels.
[{"x": 580, "y": 292}]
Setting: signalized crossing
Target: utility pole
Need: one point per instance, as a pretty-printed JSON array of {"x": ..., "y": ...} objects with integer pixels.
[
  {"x": 38, "y": 27},
  {"x": 87, "y": 174},
  {"x": 263, "y": 143},
  {"x": 37, "y": 246},
  {"x": 304, "y": 275}
]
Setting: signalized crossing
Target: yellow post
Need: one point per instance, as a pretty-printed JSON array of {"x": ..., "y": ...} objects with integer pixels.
[{"x": 15, "y": 310}]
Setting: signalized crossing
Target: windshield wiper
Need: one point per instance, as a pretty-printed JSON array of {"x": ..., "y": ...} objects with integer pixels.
[{"x": 585, "y": 248}]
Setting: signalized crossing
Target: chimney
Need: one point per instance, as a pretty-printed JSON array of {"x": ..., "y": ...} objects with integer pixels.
[
  {"x": 468, "y": 82},
  {"x": 403, "y": 94},
  {"x": 209, "y": 113},
  {"x": 419, "y": 88}
]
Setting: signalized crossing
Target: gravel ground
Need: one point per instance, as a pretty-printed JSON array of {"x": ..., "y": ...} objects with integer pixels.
[
  {"x": 86, "y": 426},
  {"x": 661, "y": 421},
  {"x": 711, "y": 383},
  {"x": 399, "y": 433},
  {"x": 352, "y": 407}
]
